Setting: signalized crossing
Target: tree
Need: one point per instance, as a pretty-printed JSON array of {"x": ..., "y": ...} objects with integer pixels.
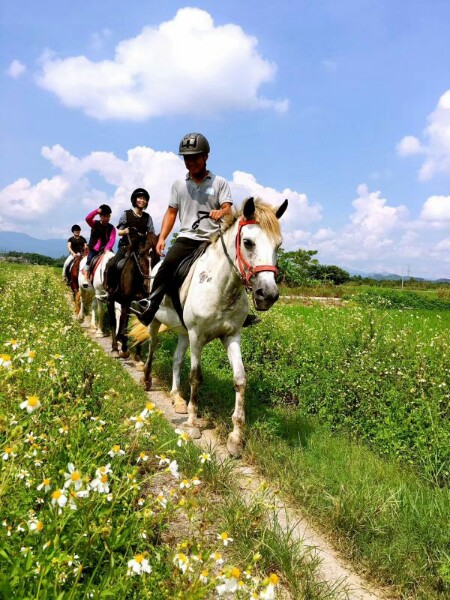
[
  {"x": 328, "y": 273},
  {"x": 294, "y": 266}
]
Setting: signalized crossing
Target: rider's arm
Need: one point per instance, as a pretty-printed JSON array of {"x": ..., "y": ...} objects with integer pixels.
[
  {"x": 91, "y": 217},
  {"x": 166, "y": 228},
  {"x": 111, "y": 241},
  {"x": 122, "y": 226},
  {"x": 225, "y": 209},
  {"x": 69, "y": 246}
]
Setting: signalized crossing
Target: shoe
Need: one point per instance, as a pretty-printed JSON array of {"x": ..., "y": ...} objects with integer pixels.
[
  {"x": 144, "y": 310},
  {"x": 251, "y": 320}
]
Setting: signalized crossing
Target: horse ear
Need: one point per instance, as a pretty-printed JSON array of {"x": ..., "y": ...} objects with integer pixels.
[
  {"x": 281, "y": 209},
  {"x": 249, "y": 208}
]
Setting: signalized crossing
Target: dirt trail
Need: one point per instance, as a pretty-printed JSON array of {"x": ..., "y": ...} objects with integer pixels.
[{"x": 333, "y": 569}]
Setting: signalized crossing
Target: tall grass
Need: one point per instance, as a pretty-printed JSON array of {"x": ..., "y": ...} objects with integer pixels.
[
  {"x": 99, "y": 497},
  {"x": 348, "y": 411}
]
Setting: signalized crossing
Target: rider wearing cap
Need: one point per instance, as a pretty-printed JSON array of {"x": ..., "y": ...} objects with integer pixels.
[
  {"x": 199, "y": 191},
  {"x": 134, "y": 222}
]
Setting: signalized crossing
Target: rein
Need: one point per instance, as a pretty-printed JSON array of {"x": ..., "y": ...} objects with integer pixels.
[
  {"x": 244, "y": 270},
  {"x": 136, "y": 258}
]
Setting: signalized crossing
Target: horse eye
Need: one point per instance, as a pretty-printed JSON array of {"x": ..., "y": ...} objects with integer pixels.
[{"x": 248, "y": 244}]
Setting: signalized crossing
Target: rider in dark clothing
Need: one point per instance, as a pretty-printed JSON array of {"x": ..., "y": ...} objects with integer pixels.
[
  {"x": 103, "y": 234},
  {"x": 133, "y": 223}
]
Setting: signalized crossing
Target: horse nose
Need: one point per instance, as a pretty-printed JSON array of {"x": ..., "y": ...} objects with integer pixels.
[{"x": 263, "y": 294}]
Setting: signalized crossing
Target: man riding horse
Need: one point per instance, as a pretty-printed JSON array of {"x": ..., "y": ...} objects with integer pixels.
[{"x": 200, "y": 191}]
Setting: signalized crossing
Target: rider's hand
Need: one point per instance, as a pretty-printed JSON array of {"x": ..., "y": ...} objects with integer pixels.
[
  {"x": 160, "y": 247},
  {"x": 216, "y": 214},
  {"x": 126, "y": 231}
]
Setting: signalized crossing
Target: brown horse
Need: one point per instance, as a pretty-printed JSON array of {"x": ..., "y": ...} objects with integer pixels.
[{"x": 133, "y": 284}]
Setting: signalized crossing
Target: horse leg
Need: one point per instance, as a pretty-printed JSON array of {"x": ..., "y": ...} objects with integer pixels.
[
  {"x": 77, "y": 304},
  {"x": 153, "y": 342},
  {"x": 178, "y": 401},
  {"x": 195, "y": 379},
  {"x": 100, "y": 318},
  {"x": 112, "y": 321},
  {"x": 232, "y": 346},
  {"x": 123, "y": 331}
]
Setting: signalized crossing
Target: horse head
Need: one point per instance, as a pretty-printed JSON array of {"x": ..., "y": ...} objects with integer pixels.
[{"x": 257, "y": 241}]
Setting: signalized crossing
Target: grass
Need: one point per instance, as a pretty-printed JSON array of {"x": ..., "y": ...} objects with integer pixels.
[
  {"x": 90, "y": 490},
  {"x": 347, "y": 412}
]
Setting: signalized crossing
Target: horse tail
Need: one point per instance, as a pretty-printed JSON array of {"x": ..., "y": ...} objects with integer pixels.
[{"x": 139, "y": 333}]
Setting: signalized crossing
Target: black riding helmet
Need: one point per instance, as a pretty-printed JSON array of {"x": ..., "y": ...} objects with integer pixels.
[
  {"x": 140, "y": 192},
  {"x": 194, "y": 143},
  {"x": 75, "y": 228}
]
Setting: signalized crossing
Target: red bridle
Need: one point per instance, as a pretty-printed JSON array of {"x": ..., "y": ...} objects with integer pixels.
[{"x": 246, "y": 270}]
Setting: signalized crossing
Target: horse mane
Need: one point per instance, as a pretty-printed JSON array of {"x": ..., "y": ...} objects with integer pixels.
[{"x": 264, "y": 214}]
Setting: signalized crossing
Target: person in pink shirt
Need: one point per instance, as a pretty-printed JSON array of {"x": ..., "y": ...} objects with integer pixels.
[{"x": 103, "y": 234}]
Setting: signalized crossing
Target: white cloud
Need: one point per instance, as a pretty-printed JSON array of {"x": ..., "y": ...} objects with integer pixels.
[
  {"x": 436, "y": 144},
  {"x": 409, "y": 145},
  {"x": 205, "y": 69},
  {"x": 300, "y": 211},
  {"x": 436, "y": 211},
  {"x": 16, "y": 69},
  {"x": 377, "y": 235}
]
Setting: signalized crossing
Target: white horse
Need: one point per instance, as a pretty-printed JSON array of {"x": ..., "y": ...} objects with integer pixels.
[
  {"x": 215, "y": 305},
  {"x": 93, "y": 296}
]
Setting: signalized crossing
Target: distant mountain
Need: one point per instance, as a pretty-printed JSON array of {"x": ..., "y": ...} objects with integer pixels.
[
  {"x": 20, "y": 242},
  {"x": 391, "y": 276}
]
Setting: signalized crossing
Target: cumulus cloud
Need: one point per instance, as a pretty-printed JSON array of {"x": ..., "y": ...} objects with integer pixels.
[
  {"x": 436, "y": 211},
  {"x": 436, "y": 142},
  {"x": 376, "y": 236},
  {"x": 184, "y": 66},
  {"x": 16, "y": 69}
]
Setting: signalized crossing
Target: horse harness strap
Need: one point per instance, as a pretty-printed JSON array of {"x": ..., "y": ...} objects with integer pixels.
[{"x": 246, "y": 270}]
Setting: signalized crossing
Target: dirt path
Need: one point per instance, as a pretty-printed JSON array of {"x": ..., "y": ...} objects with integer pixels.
[{"x": 333, "y": 568}]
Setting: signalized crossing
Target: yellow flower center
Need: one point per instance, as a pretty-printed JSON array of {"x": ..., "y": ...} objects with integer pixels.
[
  {"x": 5, "y": 357},
  {"x": 116, "y": 448},
  {"x": 104, "y": 478},
  {"x": 46, "y": 482},
  {"x": 149, "y": 406},
  {"x": 235, "y": 572},
  {"x": 8, "y": 450},
  {"x": 33, "y": 400},
  {"x": 274, "y": 579},
  {"x": 75, "y": 476},
  {"x": 224, "y": 535},
  {"x": 56, "y": 494},
  {"x": 32, "y": 354},
  {"x": 39, "y": 525},
  {"x": 139, "y": 558}
]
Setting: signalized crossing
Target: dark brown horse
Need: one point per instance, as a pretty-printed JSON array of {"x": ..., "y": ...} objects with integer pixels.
[{"x": 132, "y": 283}]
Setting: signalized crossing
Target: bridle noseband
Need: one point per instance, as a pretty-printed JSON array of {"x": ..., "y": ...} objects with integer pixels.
[{"x": 246, "y": 270}]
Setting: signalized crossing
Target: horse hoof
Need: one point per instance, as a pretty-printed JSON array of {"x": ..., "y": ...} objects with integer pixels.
[
  {"x": 193, "y": 432},
  {"x": 115, "y": 353},
  {"x": 147, "y": 385},
  {"x": 124, "y": 354},
  {"x": 234, "y": 448},
  {"x": 98, "y": 334},
  {"x": 139, "y": 366},
  {"x": 180, "y": 408}
]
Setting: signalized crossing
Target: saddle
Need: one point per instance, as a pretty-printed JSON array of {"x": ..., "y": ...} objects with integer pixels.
[
  {"x": 173, "y": 290},
  {"x": 95, "y": 263}
]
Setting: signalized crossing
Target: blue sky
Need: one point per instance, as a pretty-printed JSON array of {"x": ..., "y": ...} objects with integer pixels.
[{"x": 342, "y": 107}]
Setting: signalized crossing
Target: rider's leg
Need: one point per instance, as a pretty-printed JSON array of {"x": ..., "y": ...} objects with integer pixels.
[
  {"x": 146, "y": 309},
  {"x": 250, "y": 320}
]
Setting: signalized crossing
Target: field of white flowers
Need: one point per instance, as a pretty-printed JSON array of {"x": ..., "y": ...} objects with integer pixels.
[{"x": 93, "y": 500}]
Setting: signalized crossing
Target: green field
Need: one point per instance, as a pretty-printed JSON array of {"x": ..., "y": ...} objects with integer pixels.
[
  {"x": 348, "y": 412},
  {"x": 99, "y": 497}
]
